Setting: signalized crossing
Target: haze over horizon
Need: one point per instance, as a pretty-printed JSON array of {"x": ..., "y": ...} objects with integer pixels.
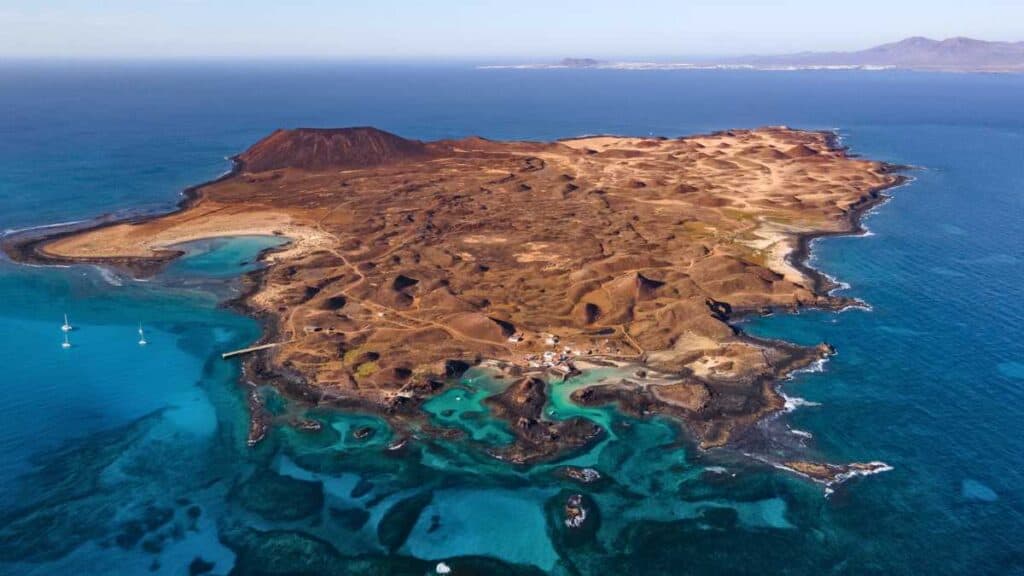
[{"x": 481, "y": 30}]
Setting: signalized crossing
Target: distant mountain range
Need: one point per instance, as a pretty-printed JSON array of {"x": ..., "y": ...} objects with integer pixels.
[
  {"x": 917, "y": 53},
  {"x": 953, "y": 54}
]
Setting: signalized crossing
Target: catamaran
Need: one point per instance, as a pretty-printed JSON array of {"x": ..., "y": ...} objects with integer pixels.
[
  {"x": 142, "y": 336},
  {"x": 66, "y": 343},
  {"x": 67, "y": 325}
]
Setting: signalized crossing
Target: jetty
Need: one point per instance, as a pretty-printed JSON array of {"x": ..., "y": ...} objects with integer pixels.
[{"x": 248, "y": 350}]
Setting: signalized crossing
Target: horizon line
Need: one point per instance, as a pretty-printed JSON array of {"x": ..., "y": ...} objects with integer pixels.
[{"x": 705, "y": 57}]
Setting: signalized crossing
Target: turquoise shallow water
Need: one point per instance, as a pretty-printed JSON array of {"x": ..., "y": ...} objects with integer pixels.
[
  {"x": 132, "y": 460},
  {"x": 220, "y": 258}
]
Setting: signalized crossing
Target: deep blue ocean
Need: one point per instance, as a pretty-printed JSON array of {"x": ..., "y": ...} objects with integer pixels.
[{"x": 121, "y": 459}]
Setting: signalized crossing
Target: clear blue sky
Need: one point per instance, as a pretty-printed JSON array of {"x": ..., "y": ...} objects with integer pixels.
[{"x": 482, "y": 29}]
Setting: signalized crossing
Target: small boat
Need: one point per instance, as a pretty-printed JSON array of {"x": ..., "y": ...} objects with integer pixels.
[
  {"x": 142, "y": 336},
  {"x": 67, "y": 325},
  {"x": 66, "y": 343}
]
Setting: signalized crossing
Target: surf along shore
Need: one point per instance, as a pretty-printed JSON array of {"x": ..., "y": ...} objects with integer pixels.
[{"x": 410, "y": 262}]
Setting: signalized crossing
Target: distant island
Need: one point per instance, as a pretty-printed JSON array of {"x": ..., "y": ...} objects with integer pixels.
[
  {"x": 917, "y": 53},
  {"x": 410, "y": 262}
]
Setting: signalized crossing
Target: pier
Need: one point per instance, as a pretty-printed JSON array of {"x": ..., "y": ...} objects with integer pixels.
[{"x": 241, "y": 351}]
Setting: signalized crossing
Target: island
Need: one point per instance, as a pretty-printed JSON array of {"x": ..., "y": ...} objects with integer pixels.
[
  {"x": 957, "y": 54},
  {"x": 410, "y": 262}
]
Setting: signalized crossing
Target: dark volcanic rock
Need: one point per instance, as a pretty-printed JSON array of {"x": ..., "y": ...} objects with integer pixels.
[
  {"x": 575, "y": 513},
  {"x": 308, "y": 425},
  {"x": 582, "y": 475},
  {"x": 320, "y": 149},
  {"x": 363, "y": 433},
  {"x": 522, "y": 405},
  {"x": 574, "y": 522}
]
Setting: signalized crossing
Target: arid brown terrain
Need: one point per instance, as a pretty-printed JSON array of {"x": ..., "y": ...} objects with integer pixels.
[{"x": 412, "y": 261}]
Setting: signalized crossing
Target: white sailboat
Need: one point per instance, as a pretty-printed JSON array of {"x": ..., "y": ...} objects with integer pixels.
[
  {"x": 67, "y": 325},
  {"x": 66, "y": 344},
  {"x": 142, "y": 336}
]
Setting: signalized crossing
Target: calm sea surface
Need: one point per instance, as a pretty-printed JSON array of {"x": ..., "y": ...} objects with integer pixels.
[{"x": 121, "y": 459}]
